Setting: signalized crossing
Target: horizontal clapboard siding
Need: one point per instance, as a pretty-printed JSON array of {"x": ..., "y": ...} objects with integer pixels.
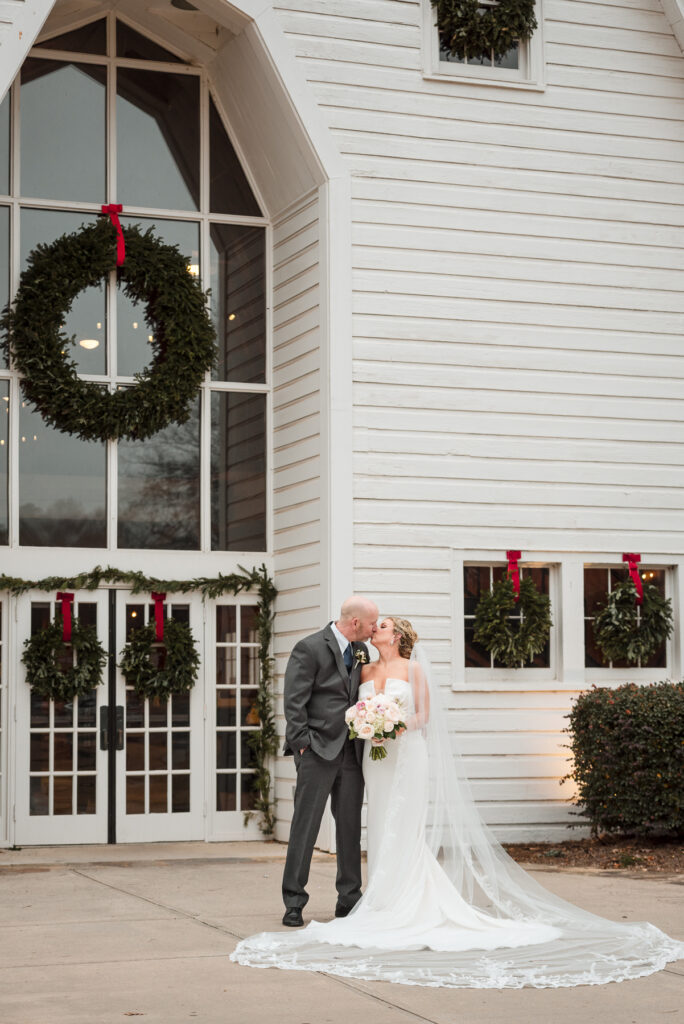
[
  {"x": 296, "y": 447},
  {"x": 518, "y": 262}
]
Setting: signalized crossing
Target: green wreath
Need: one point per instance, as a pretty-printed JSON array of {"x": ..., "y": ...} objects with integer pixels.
[
  {"x": 513, "y": 643},
  {"x": 179, "y": 660},
  {"x": 625, "y": 631},
  {"x": 41, "y": 659},
  {"x": 175, "y": 310},
  {"x": 468, "y": 29}
]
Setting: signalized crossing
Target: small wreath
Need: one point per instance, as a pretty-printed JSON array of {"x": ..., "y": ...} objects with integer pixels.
[
  {"x": 467, "y": 29},
  {"x": 175, "y": 310},
  {"x": 42, "y": 654},
  {"x": 512, "y": 642},
  {"x": 625, "y": 631},
  {"x": 178, "y": 661}
]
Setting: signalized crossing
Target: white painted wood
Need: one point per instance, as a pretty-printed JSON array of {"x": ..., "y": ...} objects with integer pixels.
[{"x": 20, "y": 23}]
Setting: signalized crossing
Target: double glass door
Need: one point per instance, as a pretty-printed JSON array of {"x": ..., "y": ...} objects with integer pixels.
[{"x": 111, "y": 766}]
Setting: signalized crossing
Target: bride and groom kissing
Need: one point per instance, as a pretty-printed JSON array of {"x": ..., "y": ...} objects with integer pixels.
[{"x": 444, "y": 904}]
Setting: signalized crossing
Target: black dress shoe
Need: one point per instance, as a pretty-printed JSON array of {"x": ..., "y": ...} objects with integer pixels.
[
  {"x": 293, "y": 917},
  {"x": 341, "y": 910}
]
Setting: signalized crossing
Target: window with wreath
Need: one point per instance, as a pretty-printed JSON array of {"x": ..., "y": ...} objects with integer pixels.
[
  {"x": 598, "y": 584},
  {"x": 476, "y": 41},
  {"x": 480, "y": 580},
  {"x": 105, "y": 115}
]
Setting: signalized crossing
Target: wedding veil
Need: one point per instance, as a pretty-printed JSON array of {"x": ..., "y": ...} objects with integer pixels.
[{"x": 543, "y": 941}]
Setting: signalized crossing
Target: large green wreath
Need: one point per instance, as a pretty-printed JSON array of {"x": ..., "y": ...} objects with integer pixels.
[
  {"x": 512, "y": 642},
  {"x": 178, "y": 657},
  {"x": 625, "y": 631},
  {"x": 183, "y": 343},
  {"x": 467, "y": 29},
  {"x": 41, "y": 656}
]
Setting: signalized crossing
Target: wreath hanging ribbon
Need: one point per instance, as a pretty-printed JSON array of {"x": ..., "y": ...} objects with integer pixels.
[
  {"x": 159, "y": 599},
  {"x": 113, "y": 210},
  {"x": 633, "y": 561},
  {"x": 513, "y": 570},
  {"x": 66, "y": 600}
]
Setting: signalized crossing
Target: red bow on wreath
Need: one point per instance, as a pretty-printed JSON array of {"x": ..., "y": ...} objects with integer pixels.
[
  {"x": 513, "y": 570},
  {"x": 633, "y": 561},
  {"x": 66, "y": 600},
  {"x": 159, "y": 614}
]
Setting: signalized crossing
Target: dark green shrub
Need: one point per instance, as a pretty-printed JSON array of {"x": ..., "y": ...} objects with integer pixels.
[{"x": 628, "y": 749}]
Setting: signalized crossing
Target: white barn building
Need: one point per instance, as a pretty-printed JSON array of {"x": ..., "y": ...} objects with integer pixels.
[{"x": 449, "y": 305}]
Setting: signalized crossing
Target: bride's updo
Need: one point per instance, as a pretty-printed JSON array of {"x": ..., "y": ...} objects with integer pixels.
[{"x": 407, "y": 635}]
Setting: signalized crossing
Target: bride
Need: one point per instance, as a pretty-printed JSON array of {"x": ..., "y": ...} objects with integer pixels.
[{"x": 445, "y": 905}]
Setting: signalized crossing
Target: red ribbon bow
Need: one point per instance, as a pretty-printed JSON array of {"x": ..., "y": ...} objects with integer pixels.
[
  {"x": 66, "y": 600},
  {"x": 159, "y": 614},
  {"x": 513, "y": 570},
  {"x": 633, "y": 561},
  {"x": 113, "y": 209}
]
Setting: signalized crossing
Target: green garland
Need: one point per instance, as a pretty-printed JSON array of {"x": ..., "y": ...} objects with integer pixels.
[
  {"x": 467, "y": 30},
  {"x": 513, "y": 643},
  {"x": 264, "y": 741},
  {"x": 626, "y": 632},
  {"x": 180, "y": 665},
  {"x": 184, "y": 346},
  {"x": 41, "y": 654}
]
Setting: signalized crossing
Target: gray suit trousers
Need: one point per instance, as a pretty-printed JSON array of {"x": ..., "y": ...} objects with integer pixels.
[{"x": 342, "y": 780}]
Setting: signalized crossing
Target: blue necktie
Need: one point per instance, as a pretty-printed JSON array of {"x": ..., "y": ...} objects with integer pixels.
[{"x": 348, "y": 657}]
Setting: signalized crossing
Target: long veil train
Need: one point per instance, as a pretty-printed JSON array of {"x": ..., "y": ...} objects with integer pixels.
[{"x": 445, "y": 905}]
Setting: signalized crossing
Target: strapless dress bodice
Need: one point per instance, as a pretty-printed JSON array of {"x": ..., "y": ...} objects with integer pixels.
[{"x": 397, "y": 689}]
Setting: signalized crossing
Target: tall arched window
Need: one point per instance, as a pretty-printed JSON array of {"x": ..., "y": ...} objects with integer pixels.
[{"x": 104, "y": 114}]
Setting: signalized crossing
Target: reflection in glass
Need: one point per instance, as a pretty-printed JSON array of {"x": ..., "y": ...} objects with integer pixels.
[
  {"x": 133, "y": 346},
  {"x": 5, "y": 145},
  {"x": 135, "y": 710},
  {"x": 157, "y": 751},
  {"x": 159, "y": 495},
  {"x": 86, "y": 710},
  {"x": 63, "y": 130},
  {"x": 135, "y": 794},
  {"x": 40, "y": 711},
  {"x": 85, "y": 794},
  {"x": 4, "y": 455},
  {"x": 64, "y": 752},
  {"x": 134, "y": 46},
  {"x": 180, "y": 709},
  {"x": 90, "y": 38},
  {"x": 229, "y": 190},
  {"x": 248, "y": 624},
  {"x": 225, "y": 707},
  {"x": 248, "y": 794},
  {"x": 157, "y": 117},
  {"x": 158, "y": 712},
  {"x": 158, "y": 794},
  {"x": 64, "y": 714},
  {"x": 180, "y": 750},
  {"x": 86, "y": 318},
  {"x": 62, "y": 794},
  {"x": 249, "y": 713},
  {"x": 62, "y": 487},
  {"x": 225, "y": 750},
  {"x": 40, "y": 752},
  {"x": 180, "y": 793},
  {"x": 246, "y": 752},
  {"x": 238, "y": 301},
  {"x": 225, "y": 793},
  {"x": 249, "y": 666},
  {"x": 86, "y": 752},
  {"x": 226, "y": 669},
  {"x": 225, "y": 623},
  {"x": 4, "y": 264},
  {"x": 135, "y": 752},
  {"x": 39, "y": 800},
  {"x": 238, "y": 472}
]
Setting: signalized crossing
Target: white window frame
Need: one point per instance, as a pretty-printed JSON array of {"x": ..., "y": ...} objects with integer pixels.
[
  {"x": 566, "y": 588},
  {"x": 529, "y": 75}
]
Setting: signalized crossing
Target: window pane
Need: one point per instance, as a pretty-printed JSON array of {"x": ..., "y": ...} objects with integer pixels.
[
  {"x": 229, "y": 190},
  {"x": 159, "y": 488},
  {"x": 158, "y": 139},
  {"x": 90, "y": 38},
  {"x": 133, "y": 45},
  {"x": 238, "y": 301},
  {"x": 4, "y": 449},
  {"x": 595, "y": 590},
  {"x": 5, "y": 145},
  {"x": 132, "y": 333},
  {"x": 62, "y": 487},
  {"x": 86, "y": 319},
  {"x": 510, "y": 59},
  {"x": 63, "y": 130},
  {"x": 238, "y": 472}
]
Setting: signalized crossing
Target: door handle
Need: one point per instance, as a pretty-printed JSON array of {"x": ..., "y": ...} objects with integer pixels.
[
  {"x": 104, "y": 727},
  {"x": 119, "y": 727}
]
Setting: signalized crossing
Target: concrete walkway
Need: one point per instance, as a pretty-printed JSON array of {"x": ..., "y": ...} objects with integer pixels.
[{"x": 97, "y": 935}]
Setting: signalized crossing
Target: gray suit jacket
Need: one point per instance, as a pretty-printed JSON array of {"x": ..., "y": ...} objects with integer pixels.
[{"x": 318, "y": 691}]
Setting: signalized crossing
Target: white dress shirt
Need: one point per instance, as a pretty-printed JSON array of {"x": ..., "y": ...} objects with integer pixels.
[{"x": 342, "y": 640}]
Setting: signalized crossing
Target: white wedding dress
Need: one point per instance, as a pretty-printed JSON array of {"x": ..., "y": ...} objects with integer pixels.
[{"x": 445, "y": 905}]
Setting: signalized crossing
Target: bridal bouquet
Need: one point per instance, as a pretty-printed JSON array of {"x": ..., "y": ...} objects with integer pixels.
[{"x": 377, "y": 719}]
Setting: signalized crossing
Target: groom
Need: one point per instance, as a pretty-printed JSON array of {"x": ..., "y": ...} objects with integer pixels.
[{"x": 321, "y": 682}]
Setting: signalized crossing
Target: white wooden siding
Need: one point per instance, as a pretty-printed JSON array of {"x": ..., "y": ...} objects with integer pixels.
[
  {"x": 518, "y": 378},
  {"x": 296, "y": 447}
]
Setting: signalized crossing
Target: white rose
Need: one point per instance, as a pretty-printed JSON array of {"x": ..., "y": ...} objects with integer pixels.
[
  {"x": 365, "y": 732},
  {"x": 358, "y": 724},
  {"x": 370, "y": 716},
  {"x": 349, "y": 715},
  {"x": 388, "y": 726}
]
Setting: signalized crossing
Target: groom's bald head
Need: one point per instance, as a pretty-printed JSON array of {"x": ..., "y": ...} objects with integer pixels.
[{"x": 358, "y": 616}]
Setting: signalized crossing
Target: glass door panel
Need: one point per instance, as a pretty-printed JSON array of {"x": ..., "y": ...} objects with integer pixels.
[
  {"x": 61, "y": 755},
  {"x": 160, "y": 771}
]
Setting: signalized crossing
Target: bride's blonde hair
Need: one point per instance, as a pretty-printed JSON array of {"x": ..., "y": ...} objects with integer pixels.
[{"x": 407, "y": 635}]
